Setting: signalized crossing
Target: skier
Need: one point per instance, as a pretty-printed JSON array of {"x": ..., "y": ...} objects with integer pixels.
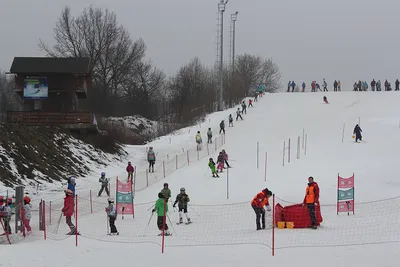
[
  {"x": 198, "y": 140},
  {"x": 211, "y": 164},
  {"x": 373, "y": 84},
  {"x": 166, "y": 191},
  {"x": 71, "y": 184},
  {"x": 220, "y": 161},
  {"x": 293, "y": 86},
  {"x": 357, "y": 131},
  {"x": 209, "y": 136},
  {"x": 151, "y": 158},
  {"x": 250, "y": 103},
  {"x": 303, "y": 87},
  {"x": 258, "y": 203},
  {"x": 26, "y": 214},
  {"x": 325, "y": 85},
  {"x": 325, "y": 100},
  {"x": 5, "y": 214},
  {"x": 130, "y": 170},
  {"x": 225, "y": 158},
  {"x": 244, "y": 110},
  {"x": 335, "y": 86},
  {"x": 68, "y": 210},
  {"x": 230, "y": 120},
  {"x": 238, "y": 114},
  {"x": 222, "y": 127},
  {"x": 161, "y": 213},
  {"x": 112, "y": 216},
  {"x": 397, "y": 85},
  {"x": 104, "y": 184},
  {"x": 311, "y": 199},
  {"x": 182, "y": 199},
  {"x": 313, "y": 86}
]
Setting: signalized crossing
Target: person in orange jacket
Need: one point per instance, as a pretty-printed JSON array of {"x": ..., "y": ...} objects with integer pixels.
[
  {"x": 258, "y": 203},
  {"x": 311, "y": 199}
]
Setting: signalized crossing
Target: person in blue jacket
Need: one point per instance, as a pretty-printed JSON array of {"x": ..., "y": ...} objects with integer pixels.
[{"x": 71, "y": 184}]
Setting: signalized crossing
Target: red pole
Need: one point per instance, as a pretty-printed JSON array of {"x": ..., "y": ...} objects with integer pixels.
[
  {"x": 163, "y": 165},
  {"x": 76, "y": 221},
  {"x": 147, "y": 177},
  {"x": 163, "y": 228},
  {"x": 44, "y": 220},
  {"x": 22, "y": 218},
  {"x": 337, "y": 204},
  {"x": 289, "y": 151},
  {"x": 176, "y": 161},
  {"x": 273, "y": 225},
  {"x": 91, "y": 203},
  {"x": 50, "y": 214},
  {"x": 265, "y": 167}
]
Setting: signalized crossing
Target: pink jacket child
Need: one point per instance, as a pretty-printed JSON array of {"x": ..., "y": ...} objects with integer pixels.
[
  {"x": 130, "y": 170},
  {"x": 220, "y": 161}
]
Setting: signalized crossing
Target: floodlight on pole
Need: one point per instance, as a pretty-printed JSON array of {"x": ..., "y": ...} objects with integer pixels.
[
  {"x": 233, "y": 21},
  {"x": 221, "y": 9}
]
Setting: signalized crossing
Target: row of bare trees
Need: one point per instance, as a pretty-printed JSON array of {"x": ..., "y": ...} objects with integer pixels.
[{"x": 125, "y": 82}]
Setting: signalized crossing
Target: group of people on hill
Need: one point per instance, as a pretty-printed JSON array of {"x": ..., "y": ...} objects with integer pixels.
[
  {"x": 375, "y": 85},
  {"x": 315, "y": 86},
  {"x": 6, "y": 212},
  {"x": 220, "y": 166},
  {"x": 260, "y": 203}
]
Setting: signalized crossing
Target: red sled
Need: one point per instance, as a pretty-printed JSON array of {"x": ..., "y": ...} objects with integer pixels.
[{"x": 297, "y": 214}]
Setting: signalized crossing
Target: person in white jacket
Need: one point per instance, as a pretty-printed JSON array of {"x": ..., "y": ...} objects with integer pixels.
[
  {"x": 27, "y": 214},
  {"x": 112, "y": 215}
]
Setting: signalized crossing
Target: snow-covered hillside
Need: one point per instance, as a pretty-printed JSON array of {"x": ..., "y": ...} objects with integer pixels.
[{"x": 368, "y": 238}]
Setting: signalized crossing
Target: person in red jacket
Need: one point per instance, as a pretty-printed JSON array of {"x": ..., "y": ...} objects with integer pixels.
[
  {"x": 130, "y": 170},
  {"x": 311, "y": 199},
  {"x": 258, "y": 203},
  {"x": 68, "y": 210}
]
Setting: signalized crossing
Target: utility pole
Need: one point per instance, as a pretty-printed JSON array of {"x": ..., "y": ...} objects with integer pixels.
[{"x": 221, "y": 10}]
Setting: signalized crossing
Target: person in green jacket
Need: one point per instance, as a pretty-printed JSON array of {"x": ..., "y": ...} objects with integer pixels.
[
  {"x": 211, "y": 164},
  {"x": 166, "y": 191},
  {"x": 161, "y": 213}
]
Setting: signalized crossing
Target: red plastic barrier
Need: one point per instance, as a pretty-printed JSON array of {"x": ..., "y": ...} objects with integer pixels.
[{"x": 297, "y": 214}]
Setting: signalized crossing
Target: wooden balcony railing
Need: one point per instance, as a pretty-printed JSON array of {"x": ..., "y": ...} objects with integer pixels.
[{"x": 49, "y": 118}]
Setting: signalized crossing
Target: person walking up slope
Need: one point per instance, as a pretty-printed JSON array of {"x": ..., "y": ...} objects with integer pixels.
[
  {"x": 209, "y": 136},
  {"x": 68, "y": 210},
  {"x": 211, "y": 164},
  {"x": 357, "y": 131},
  {"x": 238, "y": 114},
  {"x": 258, "y": 203},
  {"x": 166, "y": 191},
  {"x": 104, "y": 184},
  {"x": 151, "y": 158},
  {"x": 26, "y": 214},
  {"x": 162, "y": 214},
  {"x": 130, "y": 170},
  {"x": 222, "y": 127},
  {"x": 311, "y": 199},
  {"x": 199, "y": 141},
  {"x": 230, "y": 120},
  {"x": 220, "y": 162},
  {"x": 182, "y": 199},
  {"x": 112, "y": 216}
]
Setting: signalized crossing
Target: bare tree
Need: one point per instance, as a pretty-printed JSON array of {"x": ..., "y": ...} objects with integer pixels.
[{"x": 9, "y": 101}]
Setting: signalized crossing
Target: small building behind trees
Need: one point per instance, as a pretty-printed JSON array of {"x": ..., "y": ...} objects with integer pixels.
[{"x": 50, "y": 90}]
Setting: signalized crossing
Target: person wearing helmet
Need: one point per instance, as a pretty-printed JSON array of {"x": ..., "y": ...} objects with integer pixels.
[
  {"x": 104, "y": 184},
  {"x": 68, "y": 210},
  {"x": 71, "y": 184},
  {"x": 258, "y": 203},
  {"x": 130, "y": 170},
  {"x": 151, "y": 158},
  {"x": 211, "y": 164},
  {"x": 161, "y": 207},
  {"x": 5, "y": 215},
  {"x": 112, "y": 216},
  {"x": 199, "y": 141},
  {"x": 166, "y": 191},
  {"x": 182, "y": 199},
  {"x": 26, "y": 214}
]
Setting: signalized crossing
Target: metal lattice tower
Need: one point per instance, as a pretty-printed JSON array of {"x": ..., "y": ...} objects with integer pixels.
[
  {"x": 218, "y": 40},
  {"x": 221, "y": 10},
  {"x": 232, "y": 33}
]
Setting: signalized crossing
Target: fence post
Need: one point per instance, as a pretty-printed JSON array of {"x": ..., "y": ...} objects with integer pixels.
[
  {"x": 284, "y": 151},
  {"x": 215, "y": 142},
  {"x": 91, "y": 202},
  {"x": 258, "y": 150},
  {"x": 298, "y": 147},
  {"x": 265, "y": 167},
  {"x": 187, "y": 156},
  {"x": 50, "y": 214},
  {"x": 176, "y": 161},
  {"x": 44, "y": 220},
  {"x": 305, "y": 146},
  {"x": 163, "y": 165},
  {"x": 289, "y": 151},
  {"x": 147, "y": 177},
  {"x": 198, "y": 156},
  {"x": 227, "y": 183},
  {"x": 76, "y": 221},
  {"x": 302, "y": 143}
]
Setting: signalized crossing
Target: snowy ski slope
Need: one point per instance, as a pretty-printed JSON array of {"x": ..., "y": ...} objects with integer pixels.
[{"x": 369, "y": 238}]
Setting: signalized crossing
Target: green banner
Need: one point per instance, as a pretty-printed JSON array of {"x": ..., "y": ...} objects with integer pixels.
[
  {"x": 124, "y": 197},
  {"x": 346, "y": 194}
]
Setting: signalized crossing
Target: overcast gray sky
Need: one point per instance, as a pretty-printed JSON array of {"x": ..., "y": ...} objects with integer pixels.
[{"x": 308, "y": 39}]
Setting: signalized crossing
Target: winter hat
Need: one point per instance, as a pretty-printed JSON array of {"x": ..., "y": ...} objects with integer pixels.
[
  {"x": 160, "y": 195},
  {"x": 110, "y": 200},
  {"x": 265, "y": 191},
  {"x": 27, "y": 199},
  {"x": 166, "y": 184}
]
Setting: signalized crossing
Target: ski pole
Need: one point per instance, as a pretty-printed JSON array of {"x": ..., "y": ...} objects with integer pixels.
[
  {"x": 151, "y": 207},
  {"x": 173, "y": 228},
  {"x": 58, "y": 223},
  {"x": 194, "y": 210},
  {"x": 150, "y": 218}
]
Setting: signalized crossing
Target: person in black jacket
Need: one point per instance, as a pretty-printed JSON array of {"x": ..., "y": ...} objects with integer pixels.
[
  {"x": 182, "y": 199},
  {"x": 222, "y": 127},
  {"x": 357, "y": 131}
]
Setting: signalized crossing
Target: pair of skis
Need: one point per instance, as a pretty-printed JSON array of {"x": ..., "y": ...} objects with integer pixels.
[{"x": 186, "y": 223}]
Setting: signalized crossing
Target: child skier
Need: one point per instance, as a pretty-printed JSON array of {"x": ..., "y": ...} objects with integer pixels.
[
  {"x": 151, "y": 158},
  {"x": 211, "y": 164},
  {"x": 130, "y": 170},
  {"x": 161, "y": 213},
  {"x": 71, "y": 184},
  {"x": 104, "y": 184},
  {"x": 225, "y": 158},
  {"x": 230, "y": 120},
  {"x": 26, "y": 214},
  {"x": 326, "y": 100},
  {"x": 68, "y": 210},
  {"x": 166, "y": 191},
  {"x": 112, "y": 216},
  {"x": 222, "y": 127},
  {"x": 182, "y": 199},
  {"x": 238, "y": 114},
  {"x": 198, "y": 140},
  {"x": 5, "y": 215},
  {"x": 244, "y": 108},
  {"x": 209, "y": 136},
  {"x": 220, "y": 161},
  {"x": 250, "y": 103}
]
